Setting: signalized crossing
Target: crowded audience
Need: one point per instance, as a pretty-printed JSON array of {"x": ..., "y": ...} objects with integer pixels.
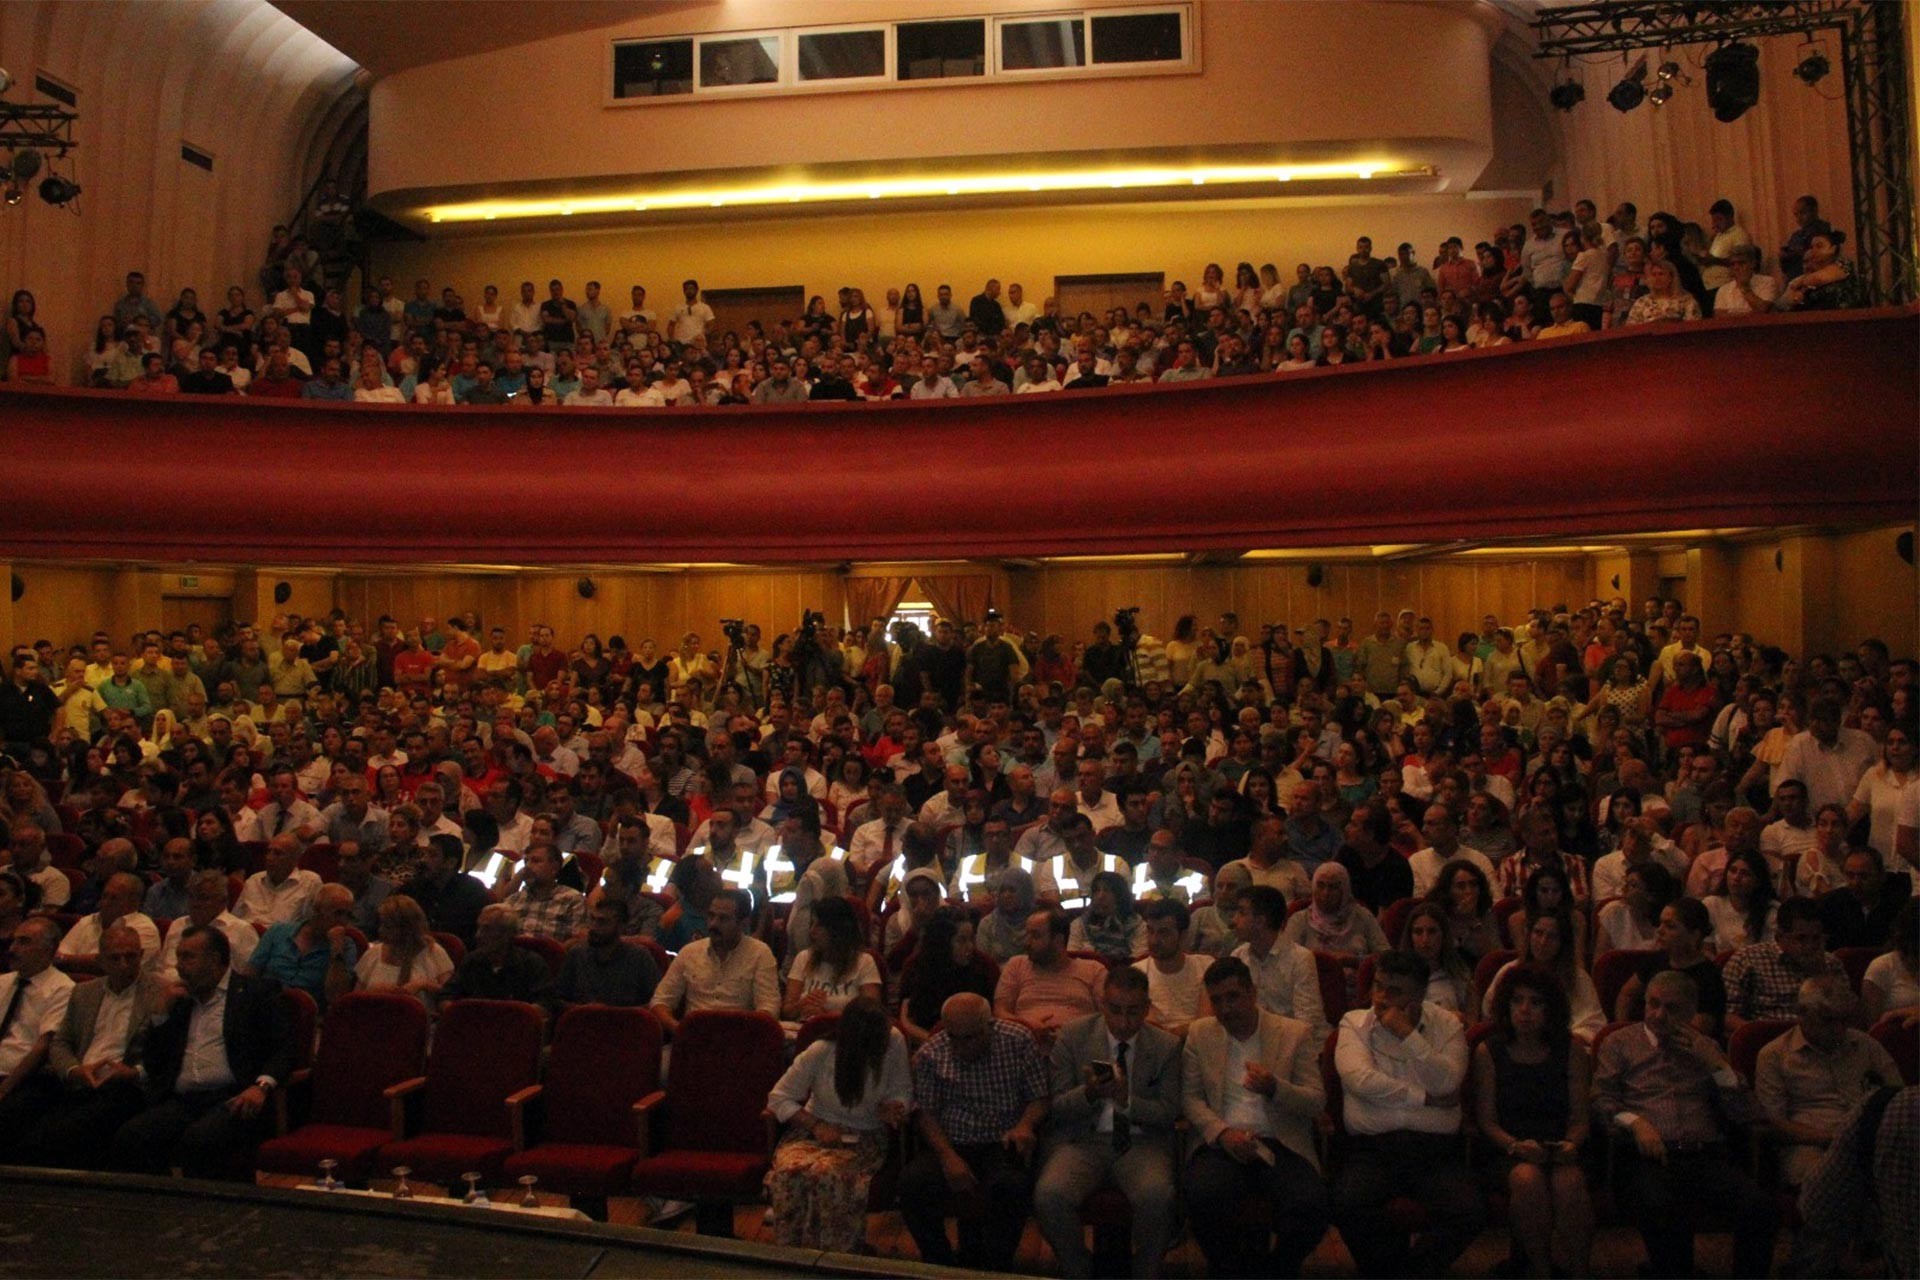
[
  {"x": 1080, "y": 917},
  {"x": 293, "y": 334}
]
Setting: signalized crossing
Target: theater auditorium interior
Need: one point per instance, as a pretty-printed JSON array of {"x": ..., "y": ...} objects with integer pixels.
[{"x": 628, "y": 772}]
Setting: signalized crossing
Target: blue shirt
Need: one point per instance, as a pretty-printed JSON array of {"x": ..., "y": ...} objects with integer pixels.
[
  {"x": 278, "y": 956},
  {"x": 321, "y": 389},
  {"x": 1310, "y": 850}
]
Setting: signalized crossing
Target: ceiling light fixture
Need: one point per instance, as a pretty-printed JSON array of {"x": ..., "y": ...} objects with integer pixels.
[
  {"x": 1144, "y": 179},
  {"x": 1631, "y": 91},
  {"x": 1813, "y": 68},
  {"x": 1567, "y": 95}
]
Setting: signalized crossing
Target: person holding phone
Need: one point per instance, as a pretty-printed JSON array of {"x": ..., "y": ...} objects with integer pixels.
[{"x": 1531, "y": 1085}]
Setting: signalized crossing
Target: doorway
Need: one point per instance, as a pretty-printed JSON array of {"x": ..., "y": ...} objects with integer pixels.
[{"x": 177, "y": 613}]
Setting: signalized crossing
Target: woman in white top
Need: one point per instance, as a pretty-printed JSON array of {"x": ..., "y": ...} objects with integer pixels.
[
  {"x": 1744, "y": 914},
  {"x": 1881, "y": 787},
  {"x": 1548, "y": 952},
  {"x": 1892, "y": 981},
  {"x": 837, "y": 1100},
  {"x": 1631, "y": 922},
  {"x": 1450, "y": 977},
  {"x": 834, "y": 970},
  {"x": 1586, "y": 282},
  {"x": 435, "y": 389},
  {"x": 406, "y": 958}
]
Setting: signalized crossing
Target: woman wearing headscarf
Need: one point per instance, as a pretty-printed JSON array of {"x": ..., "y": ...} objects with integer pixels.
[
  {"x": 1002, "y": 932},
  {"x": 791, "y": 791},
  {"x": 1336, "y": 923}
]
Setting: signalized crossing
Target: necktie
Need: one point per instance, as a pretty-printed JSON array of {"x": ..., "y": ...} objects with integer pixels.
[
  {"x": 280, "y": 823},
  {"x": 13, "y": 1004},
  {"x": 1122, "y": 1122}
]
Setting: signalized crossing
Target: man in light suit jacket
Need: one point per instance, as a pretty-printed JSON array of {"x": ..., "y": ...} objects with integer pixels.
[
  {"x": 1252, "y": 1093},
  {"x": 1116, "y": 1096},
  {"x": 96, "y": 1057}
]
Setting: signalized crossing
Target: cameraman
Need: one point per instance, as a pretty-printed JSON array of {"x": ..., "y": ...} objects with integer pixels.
[
  {"x": 746, "y": 660},
  {"x": 1104, "y": 660}
]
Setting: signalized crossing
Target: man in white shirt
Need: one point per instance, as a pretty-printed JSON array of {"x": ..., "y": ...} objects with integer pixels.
[
  {"x": 282, "y": 892},
  {"x": 1829, "y": 758},
  {"x": 724, "y": 970},
  {"x": 691, "y": 318},
  {"x": 1176, "y": 990},
  {"x": 524, "y": 316},
  {"x": 207, "y": 905},
  {"x": 1791, "y": 835},
  {"x": 590, "y": 393},
  {"x": 33, "y": 1003},
  {"x": 1429, "y": 663},
  {"x": 878, "y": 844},
  {"x": 286, "y": 812},
  {"x": 1017, "y": 310},
  {"x": 119, "y": 905},
  {"x": 1748, "y": 290},
  {"x": 1402, "y": 1063},
  {"x": 1284, "y": 973},
  {"x": 1728, "y": 236},
  {"x": 1442, "y": 833},
  {"x": 932, "y": 384}
]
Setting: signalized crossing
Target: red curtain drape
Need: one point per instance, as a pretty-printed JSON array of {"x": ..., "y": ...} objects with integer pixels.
[
  {"x": 960, "y": 597},
  {"x": 870, "y": 598}
]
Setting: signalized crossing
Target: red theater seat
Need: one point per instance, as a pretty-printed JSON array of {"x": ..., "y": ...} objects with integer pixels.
[
  {"x": 484, "y": 1068},
  {"x": 373, "y": 1040},
  {"x": 603, "y": 1062}
]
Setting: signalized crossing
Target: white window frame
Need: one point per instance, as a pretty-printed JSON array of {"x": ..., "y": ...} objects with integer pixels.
[
  {"x": 790, "y": 77},
  {"x": 788, "y": 59}
]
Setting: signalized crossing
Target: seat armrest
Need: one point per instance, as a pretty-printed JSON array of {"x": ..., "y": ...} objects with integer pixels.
[
  {"x": 517, "y": 1114},
  {"x": 643, "y": 1120},
  {"x": 772, "y": 1124},
  {"x": 281, "y": 1121},
  {"x": 396, "y": 1096}
]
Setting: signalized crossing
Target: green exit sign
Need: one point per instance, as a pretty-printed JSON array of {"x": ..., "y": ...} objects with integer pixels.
[{"x": 189, "y": 582}]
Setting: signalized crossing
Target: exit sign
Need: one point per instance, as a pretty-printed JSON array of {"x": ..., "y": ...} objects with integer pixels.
[{"x": 189, "y": 582}]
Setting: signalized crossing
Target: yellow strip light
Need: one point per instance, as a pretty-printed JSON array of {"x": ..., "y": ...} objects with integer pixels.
[{"x": 1133, "y": 179}]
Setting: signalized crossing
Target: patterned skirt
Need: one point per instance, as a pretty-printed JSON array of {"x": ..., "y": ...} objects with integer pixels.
[{"x": 819, "y": 1193}]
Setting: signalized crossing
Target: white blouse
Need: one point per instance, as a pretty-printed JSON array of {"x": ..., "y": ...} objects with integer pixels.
[
  {"x": 375, "y": 972},
  {"x": 840, "y": 990},
  {"x": 808, "y": 1085}
]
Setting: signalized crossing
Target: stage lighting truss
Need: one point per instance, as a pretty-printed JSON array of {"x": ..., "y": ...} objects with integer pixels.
[{"x": 31, "y": 133}]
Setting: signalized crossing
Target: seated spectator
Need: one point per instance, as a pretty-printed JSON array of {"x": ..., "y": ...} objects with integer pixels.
[
  {"x": 1861, "y": 913},
  {"x": 1531, "y": 1087},
  {"x": 548, "y": 909},
  {"x": 37, "y": 993},
  {"x": 496, "y": 969},
  {"x": 1210, "y": 929},
  {"x": 1284, "y": 974},
  {"x": 1441, "y": 830},
  {"x": 603, "y": 967},
  {"x": 1809, "y": 1080},
  {"x": 119, "y": 904},
  {"x": 207, "y": 905},
  {"x": 981, "y": 1091},
  {"x": 1763, "y": 980},
  {"x": 1335, "y": 923},
  {"x": 1402, "y": 1064},
  {"x": 1110, "y": 925},
  {"x": 1044, "y": 987},
  {"x": 1466, "y": 897},
  {"x": 212, "y": 1065},
  {"x": 452, "y": 900},
  {"x": 166, "y": 897},
  {"x": 1667, "y": 1086},
  {"x": 369, "y": 891},
  {"x": 1116, "y": 1095},
  {"x": 1252, "y": 1091},
  {"x": 406, "y": 958},
  {"x": 834, "y": 970},
  {"x": 946, "y": 962},
  {"x": 1746, "y": 912},
  {"x": 314, "y": 954},
  {"x": 281, "y": 892},
  {"x": 1450, "y": 978},
  {"x": 838, "y": 1100},
  {"x": 1176, "y": 989},
  {"x": 1892, "y": 981},
  {"x": 1632, "y": 922},
  {"x": 1002, "y": 934},
  {"x": 724, "y": 970}
]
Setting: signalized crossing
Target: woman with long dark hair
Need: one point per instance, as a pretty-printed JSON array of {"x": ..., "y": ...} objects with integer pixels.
[
  {"x": 1531, "y": 1087},
  {"x": 834, "y": 970},
  {"x": 837, "y": 1100},
  {"x": 1744, "y": 914},
  {"x": 946, "y": 963}
]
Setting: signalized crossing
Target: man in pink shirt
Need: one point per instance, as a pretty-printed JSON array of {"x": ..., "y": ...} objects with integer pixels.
[{"x": 1046, "y": 988}]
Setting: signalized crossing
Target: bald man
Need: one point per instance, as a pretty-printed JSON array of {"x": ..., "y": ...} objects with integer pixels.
[{"x": 119, "y": 904}]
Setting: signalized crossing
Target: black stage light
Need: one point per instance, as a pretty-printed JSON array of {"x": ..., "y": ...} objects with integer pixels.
[
  {"x": 1567, "y": 95},
  {"x": 56, "y": 190},
  {"x": 1631, "y": 91},
  {"x": 1733, "y": 80},
  {"x": 1813, "y": 68}
]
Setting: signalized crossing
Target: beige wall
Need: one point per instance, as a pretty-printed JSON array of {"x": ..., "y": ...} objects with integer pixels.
[
  {"x": 1829, "y": 591},
  {"x": 1265, "y": 79},
  {"x": 1029, "y": 245},
  {"x": 235, "y": 77}
]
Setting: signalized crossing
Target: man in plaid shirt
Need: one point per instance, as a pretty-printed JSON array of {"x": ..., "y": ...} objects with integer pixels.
[
  {"x": 1540, "y": 847},
  {"x": 548, "y": 909},
  {"x": 1763, "y": 980},
  {"x": 981, "y": 1087}
]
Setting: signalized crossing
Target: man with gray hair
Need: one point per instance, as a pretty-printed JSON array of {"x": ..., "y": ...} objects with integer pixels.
[
  {"x": 119, "y": 905},
  {"x": 1665, "y": 1086},
  {"x": 1810, "y": 1078},
  {"x": 34, "y": 996},
  {"x": 1747, "y": 291},
  {"x": 207, "y": 905}
]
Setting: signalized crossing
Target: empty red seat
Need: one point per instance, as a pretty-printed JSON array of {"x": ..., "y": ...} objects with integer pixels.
[
  {"x": 373, "y": 1040},
  {"x": 603, "y": 1062},
  {"x": 485, "y": 1067}
]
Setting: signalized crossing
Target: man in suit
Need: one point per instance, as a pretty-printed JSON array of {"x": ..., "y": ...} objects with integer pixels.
[
  {"x": 95, "y": 1058},
  {"x": 1252, "y": 1092},
  {"x": 212, "y": 1065},
  {"x": 1116, "y": 1095},
  {"x": 33, "y": 1000}
]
